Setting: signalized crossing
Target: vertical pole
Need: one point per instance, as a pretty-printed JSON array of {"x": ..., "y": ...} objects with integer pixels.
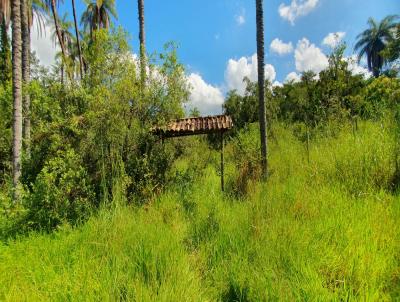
[{"x": 222, "y": 162}]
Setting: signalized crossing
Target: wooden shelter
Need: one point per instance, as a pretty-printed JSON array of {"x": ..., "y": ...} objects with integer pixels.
[{"x": 196, "y": 126}]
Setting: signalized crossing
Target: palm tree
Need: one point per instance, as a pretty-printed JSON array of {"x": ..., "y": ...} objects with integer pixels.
[
  {"x": 142, "y": 44},
  {"x": 67, "y": 38},
  {"x": 392, "y": 53},
  {"x": 373, "y": 41},
  {"x": 261, "y": 80},
  {"x": 77, "y": 40},
  {"x": 98, "y": 14},
  {"x": 52, "y": 4},
  {"x": 26, "y": 52},
  {"x": 5, "y": 18},
  {"x": 30, "y": 10},
  {"x": 5, "y": 11},
  {"x": 5, "y": 52},
  {"x": 17, "y": 94}
]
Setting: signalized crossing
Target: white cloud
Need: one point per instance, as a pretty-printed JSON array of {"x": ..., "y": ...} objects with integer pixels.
[
  {"x": 309, "y": 57},
  {"x": 205, "y": 97},
  {"x": 277, "y": 84},
  {"x": 42, "y": 44},
  {"x": 281, "y": 48},
  {"x": 333, "y": 39},
  {"x": 356, "y": 69},
  {"x": 240, "y": 20},
  {"x": 296, "y": 9},
  {"x": 236, "y": 70},
  {"x": 293, "y": 77}
]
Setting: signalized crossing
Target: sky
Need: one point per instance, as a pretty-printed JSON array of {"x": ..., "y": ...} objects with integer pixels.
[{"x": 217, "y": 38}]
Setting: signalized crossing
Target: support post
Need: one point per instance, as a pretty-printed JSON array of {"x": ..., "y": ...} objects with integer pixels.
[{"x": 222, "y": 162}]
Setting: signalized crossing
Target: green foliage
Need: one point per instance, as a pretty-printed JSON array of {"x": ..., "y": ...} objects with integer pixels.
[
  {"x": 5, "y": 54},
  {"x": 324, "y": 226},
  {"x": 60, "y": 194},
  {"x": 245, "y": 150},
  {"x": 392, "y": 51},
  {"x": 320, "y": 230},
  {"x": 334, "y": 95},
  {"x": 373, "y": 41},
  {"x": 244, "y": 109},
  {"x": 379, "y": 96},
  {"x": 106, "y": 120},
  {"x": 5, "y": 131}
]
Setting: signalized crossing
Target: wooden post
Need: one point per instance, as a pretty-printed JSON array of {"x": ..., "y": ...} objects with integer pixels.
[{"x": 222, "y": 162}]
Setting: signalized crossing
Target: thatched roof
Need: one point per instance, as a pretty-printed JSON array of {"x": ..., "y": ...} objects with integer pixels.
[{"x": 195, "y": 125}]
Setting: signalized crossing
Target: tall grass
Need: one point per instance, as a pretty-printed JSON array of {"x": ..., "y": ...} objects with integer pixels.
[{"x": 323, "y": 229}]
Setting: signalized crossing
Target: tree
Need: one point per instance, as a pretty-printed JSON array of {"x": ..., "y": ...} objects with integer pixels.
[
  {"x": 52, "y": 4},
  {"x": 98, "y": 15},
  {"x": 30, "y": 10},
  {"x": 392, "y": 52},
  {"x": 5, "y": 11},
  {"x": 5, "y": 52},
  {"x": 142, "y": 44},
  {"x": 77, "y": 40},
  {"x": 5, "y": 14},
  {"x": 372, "y": 41},
  {"x": 67, "y": 38},
  {"x": 17, "y": 95},
  {"x": 26, "y": 53},
  {"x": 261, "y": 95}
]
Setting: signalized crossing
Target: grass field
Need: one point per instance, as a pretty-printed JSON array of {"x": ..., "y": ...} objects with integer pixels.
[{"x": 321, "y": 229}]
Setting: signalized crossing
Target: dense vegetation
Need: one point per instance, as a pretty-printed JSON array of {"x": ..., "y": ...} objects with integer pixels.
[
  {"x": 322, "y": 229},
  {"x": 104, "y": 210}
]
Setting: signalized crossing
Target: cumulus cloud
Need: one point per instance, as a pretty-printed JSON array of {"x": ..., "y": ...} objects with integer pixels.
[
  {"x": 309, "y": 57},
  {"x": 333, "y": 39},
  {"x": 296, "y": 9},
  {"x": 281, "y": 48},
  {"x": 205, "y": 97},
  {"x": 236, "y": 70},
  {"x": 293, "y": 77},
  {"x": 42, "y": 44},
  {"x": 356, "y": 69}
]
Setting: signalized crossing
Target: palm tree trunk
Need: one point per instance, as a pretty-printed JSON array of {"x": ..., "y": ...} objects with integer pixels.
[
  {"x": 55, "y": 18},
  {"x": 77, "y": 40},
  {"x": 26, "y": 73},
  {"x": 17, "y": 94},
  {"x": 142, "y": 44},
  {"x": 261, "y": 80}
]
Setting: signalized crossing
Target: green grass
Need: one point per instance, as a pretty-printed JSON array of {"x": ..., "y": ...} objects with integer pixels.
[{"x": 322, "y": 230}]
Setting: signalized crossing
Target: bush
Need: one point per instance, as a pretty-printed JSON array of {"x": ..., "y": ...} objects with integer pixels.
[
  {"x": 246, "y": 156},
  {"x": 5, "y": 132},
  {"x": 61, "y": 193}
]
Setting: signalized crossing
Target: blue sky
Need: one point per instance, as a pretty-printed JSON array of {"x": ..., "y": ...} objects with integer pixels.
[{"x": 217, "y": 37}]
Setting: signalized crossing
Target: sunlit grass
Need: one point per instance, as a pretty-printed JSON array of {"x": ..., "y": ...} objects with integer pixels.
[{"x": 324, "y": 229}]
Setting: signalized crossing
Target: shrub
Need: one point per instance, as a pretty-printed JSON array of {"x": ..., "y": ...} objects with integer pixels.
[
  {"x": 246, "y": 150},
  {"x": 61, "y": 193}
]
